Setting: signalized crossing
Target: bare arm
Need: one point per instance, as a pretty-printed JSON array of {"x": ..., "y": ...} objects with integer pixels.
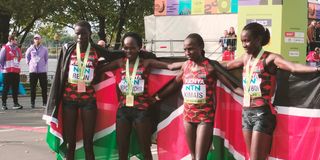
[
  {"x": 224, "y": 80},
  {"x": 163, "y": 65},
  {"x": 234, "y": 64},
  {"x": 281, "y": 63},
  {"x": 109, "y": 66},
  {"x": 177, "y": 82}
]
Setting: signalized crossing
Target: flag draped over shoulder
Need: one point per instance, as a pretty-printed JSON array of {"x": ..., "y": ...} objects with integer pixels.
[
  {"x": 297, "y": 135},
  {"x": 107, "y": 104}
]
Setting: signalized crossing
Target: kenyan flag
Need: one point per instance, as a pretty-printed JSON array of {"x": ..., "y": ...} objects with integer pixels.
[
  {"x": 105, "y": 147},
  {"x": 297, "y": 135}
]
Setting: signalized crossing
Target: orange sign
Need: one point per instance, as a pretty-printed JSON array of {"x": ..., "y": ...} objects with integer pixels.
[
  {"x": 160, "y": 7},
  {"x": 210, "y": 7}
]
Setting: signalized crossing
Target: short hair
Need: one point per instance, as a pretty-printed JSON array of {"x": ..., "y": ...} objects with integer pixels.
[
  {"x": 197, "y": 38},
  {"x": 258, "y": 31},
  {"x": 84, "y": 24},
  {"x": 133, "y": 35},
  {"x": 11, "y": 37},
  {"x": 199, "y": 41}
]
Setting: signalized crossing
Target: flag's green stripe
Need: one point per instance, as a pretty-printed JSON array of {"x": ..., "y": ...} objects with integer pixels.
[
  {"x": 106, "y": 148},
  {"x": 220, "y": 152},
  {"x": 54, "y": 143}
]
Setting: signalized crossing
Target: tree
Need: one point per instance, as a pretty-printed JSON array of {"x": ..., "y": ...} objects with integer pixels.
[
  {"x": 131, "y": 17},
  {"x": 4, "y": 25},
  {"x": 25, "y": 13},
  {"x": 109, "y": 18}
]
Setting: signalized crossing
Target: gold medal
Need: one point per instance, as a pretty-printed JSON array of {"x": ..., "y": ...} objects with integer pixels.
[
  {"x": 129, "y": 100},
  {"x": 81, "y": 86}
]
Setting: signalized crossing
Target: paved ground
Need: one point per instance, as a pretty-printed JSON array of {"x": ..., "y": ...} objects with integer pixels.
[{"x": 23, "y": 132}]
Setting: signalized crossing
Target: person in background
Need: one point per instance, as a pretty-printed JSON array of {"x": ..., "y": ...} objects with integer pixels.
[
  {"x": 228, "y": 55},
  {"x": 223, "y": 40},
  {"x": 232, "y": 38},
  {"x": 102, "y": 43},
  {"x": 10, "y": 57},
  {"x": 311, "y": 35},
  {"x": 37, "y": 60},
  {"x": 317, "y": 33},
  {"x": 313, "y": 58}
]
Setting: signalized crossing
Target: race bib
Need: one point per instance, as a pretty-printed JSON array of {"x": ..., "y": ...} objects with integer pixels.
[
  {"x": 137, "y": 88},
  {"x": 16, "y": 62},
  {"x": 254, "y": 89},
  {"x": 74, "y": 75},
  {"x": 194, "y": 93}
]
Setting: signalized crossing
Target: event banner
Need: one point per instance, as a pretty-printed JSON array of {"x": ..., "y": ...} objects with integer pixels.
[
  {"x": 198, "y": 7},
  {"x": 194, "y": 7},
  {"x": 172, "y": 7},
  {"x": 184, "y": 7},
  {"x": 286, "y": 21}
]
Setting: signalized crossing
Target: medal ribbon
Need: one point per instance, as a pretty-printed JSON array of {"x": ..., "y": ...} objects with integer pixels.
[
  {"x": 130, "y": 79},
  {"x": 249, "y": 71},
  {"x": 82, "y": 65}
]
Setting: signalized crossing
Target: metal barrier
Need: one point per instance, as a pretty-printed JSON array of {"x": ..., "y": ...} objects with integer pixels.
[
  {"x": 174, "y": 48},
  {"x": 25, "y": 78}
]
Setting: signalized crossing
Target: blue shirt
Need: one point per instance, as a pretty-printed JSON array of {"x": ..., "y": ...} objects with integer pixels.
[{"x": 37, "y": 59}]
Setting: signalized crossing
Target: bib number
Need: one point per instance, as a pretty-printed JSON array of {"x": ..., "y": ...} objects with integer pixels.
[
  {"x": 73, "y": 76},
  {"x": 137, "y": 88},
  {"x": 194, "y": 93}
]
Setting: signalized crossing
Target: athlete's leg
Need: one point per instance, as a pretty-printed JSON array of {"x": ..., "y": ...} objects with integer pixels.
[
  {"x": 191, "y": 131},
  {"x": 144, "y": 129},
  {"x": 123, "y": 131},
  {"x": 88, "y": 122},
  {"x": 247, "y": 135},
  {"x": 204, "y": 140},
  {"x": 260, "y": 146},
  {"x": 70, "y": 115}
]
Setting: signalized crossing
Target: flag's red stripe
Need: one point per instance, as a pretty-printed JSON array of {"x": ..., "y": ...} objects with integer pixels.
[
  {"x": 296, "y": 138},
  {"x": 228, "y": 119},
  {"x": 171, "y": 141}
]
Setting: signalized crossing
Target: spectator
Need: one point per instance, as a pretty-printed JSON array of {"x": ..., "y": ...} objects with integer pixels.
[
  {"x": 10, "y": 57},
  {"x": 228, "y": 55},
  {"x": 232, "y": 38},
  {"x": 311, "y": 35},
  {"x": 223, "y": 40},
  {"x": 37, "y": 60},
  {"x": 313, "y": 58},
  {"x": 102, "y": 43},
  {"x": 317, "y": 32}
]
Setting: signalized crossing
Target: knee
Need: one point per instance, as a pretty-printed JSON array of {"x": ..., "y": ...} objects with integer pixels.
[
  {"x": 200, "y": 157},
  {"x": 88, "y": 143}
]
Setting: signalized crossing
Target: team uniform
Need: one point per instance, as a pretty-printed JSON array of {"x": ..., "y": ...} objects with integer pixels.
[
  {"x": 71, "y": 97},
  {"x": 198, "y": 91},
  {"x": 139, "y": 110},
  {"x": 259, "y": 116}
]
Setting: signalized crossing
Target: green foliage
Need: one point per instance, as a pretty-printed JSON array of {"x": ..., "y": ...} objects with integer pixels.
[{"x": 49, "y": 17}]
